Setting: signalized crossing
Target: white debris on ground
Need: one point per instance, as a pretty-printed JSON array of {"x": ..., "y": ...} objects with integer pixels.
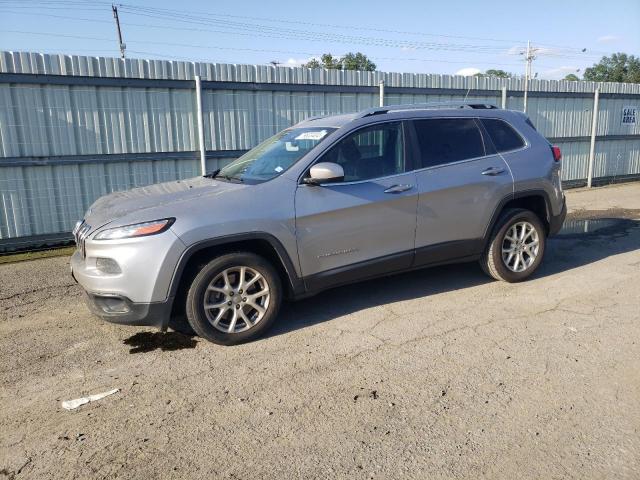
[{"x": 73, "y": 404}]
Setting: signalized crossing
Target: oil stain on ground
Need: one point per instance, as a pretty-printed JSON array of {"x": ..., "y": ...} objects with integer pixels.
[{"x": 143, "y": 342}]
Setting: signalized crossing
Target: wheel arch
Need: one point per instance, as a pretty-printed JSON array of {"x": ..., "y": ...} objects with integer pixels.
[
  {"x": 260, "y": 243},
  {"x": 537, "y": 201}
]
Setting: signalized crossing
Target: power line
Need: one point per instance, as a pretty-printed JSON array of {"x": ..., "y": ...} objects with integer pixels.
[
  {"x": 173, "y": 12},
  {"x": 207, "y": 47},
  {"x": 184, "y": 13},
  {"x": 265, "y": 29},
  {"x": 300, "y": 35},
  {"x": 272, "y": 32},
  {"x": 216, "y": 17},
  {"x": 252, "y": 30},
  {"x": 346, "y": 27}
]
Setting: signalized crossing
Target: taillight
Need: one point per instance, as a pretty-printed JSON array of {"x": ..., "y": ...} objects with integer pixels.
[{"x": 557, "y": 154}]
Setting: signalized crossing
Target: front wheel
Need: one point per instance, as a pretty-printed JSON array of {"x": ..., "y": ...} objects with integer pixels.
[
  {"x": 516, "y": 247},
  {"x": 234, "y": 298}
]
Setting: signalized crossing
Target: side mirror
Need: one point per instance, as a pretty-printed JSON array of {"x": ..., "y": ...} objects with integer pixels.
[{"x": 325, "y": 172}]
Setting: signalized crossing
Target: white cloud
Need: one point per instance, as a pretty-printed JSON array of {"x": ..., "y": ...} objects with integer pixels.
[
  {"x": 608, "y": 38},
  {"x": 296, "y": 62},
  {"x": 559, "y": 73},
  {"x": 468, "y": 71}
]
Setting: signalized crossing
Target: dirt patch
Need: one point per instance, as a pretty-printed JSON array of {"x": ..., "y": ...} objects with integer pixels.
[{"x": 622, "y": 213}]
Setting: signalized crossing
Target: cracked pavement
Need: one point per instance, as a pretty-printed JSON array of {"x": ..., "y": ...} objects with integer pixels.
[{"x": 439, "y": 373}]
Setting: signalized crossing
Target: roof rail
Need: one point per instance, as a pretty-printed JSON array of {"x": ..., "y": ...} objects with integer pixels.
[
  {"x": 315, "y": 117},
  {"x": 424, "y": 106}
]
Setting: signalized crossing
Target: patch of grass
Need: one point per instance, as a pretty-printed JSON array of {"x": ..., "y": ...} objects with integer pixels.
[{"x": 26, "y": 256}]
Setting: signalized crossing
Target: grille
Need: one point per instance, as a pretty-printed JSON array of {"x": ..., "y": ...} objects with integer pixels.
[{"x": 80, "y": 233}]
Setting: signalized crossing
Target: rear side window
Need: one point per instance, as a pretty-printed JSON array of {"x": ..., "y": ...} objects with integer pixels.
[
  {"x": 446, "y": 140},
  {"x": 504, "y": 137}
]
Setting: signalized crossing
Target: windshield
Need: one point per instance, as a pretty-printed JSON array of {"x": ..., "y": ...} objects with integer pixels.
[{"x": 274, "y": 155}]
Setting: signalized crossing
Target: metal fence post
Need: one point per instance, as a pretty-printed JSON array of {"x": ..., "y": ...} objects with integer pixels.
[
  {"x": 504, "y": 97},
  {"x": 381, "y": 85},
  {"x": 594, "y": 128},
  {"x": 201, "y": 145}
]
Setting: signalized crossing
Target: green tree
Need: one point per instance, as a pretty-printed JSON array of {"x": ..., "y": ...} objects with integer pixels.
[
  {"x": 492, "y": 72},
  {"x": 619, "y": 67},
  {"x": 326, "y": 61},
  {"x": 313, "y": 63},
  {"x": 351, "y": 61},
  {"x": 357, "y": 61},
  {"x": 572, "y": 77}
]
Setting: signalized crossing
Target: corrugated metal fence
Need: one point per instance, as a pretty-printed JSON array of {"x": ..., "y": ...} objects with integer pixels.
[{"x": 74, "y": 128}]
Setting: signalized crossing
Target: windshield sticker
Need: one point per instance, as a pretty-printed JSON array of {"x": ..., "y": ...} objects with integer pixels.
[
  {"x": 291, "y": 147},
  {"x": 278, "y": 169},
  {"x": 319, "y": 135}
]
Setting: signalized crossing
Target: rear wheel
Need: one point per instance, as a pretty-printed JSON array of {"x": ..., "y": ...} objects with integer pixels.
[
  {"x": 234, "y": 298},
  {"x": 516, "y": 247}
]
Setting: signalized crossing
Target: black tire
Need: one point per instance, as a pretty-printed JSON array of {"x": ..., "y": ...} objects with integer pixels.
[
  {"x": 492, "y": 262},
  {"x": 195, "y": 310}
]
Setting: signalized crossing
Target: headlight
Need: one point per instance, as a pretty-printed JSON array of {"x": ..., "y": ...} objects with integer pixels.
[{"x": 135, "y": 230}]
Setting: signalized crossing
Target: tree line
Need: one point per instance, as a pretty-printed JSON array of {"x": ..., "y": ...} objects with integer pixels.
[{"x": 619, "y": 67}]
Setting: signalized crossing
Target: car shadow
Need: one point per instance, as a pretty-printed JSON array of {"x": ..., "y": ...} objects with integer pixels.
[
  {"x": 348, "y": 299},
  {"x": 580, "y": 243}
]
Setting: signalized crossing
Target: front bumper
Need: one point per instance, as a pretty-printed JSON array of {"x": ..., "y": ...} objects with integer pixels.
[
  {"x": 145, "y": 266},
  {"x": 121, "y": 310},
  {"x": 556, "y": 221},
  {"x": 134, "y": 290}
]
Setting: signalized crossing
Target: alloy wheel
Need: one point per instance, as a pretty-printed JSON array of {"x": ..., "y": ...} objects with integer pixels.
[
  {"x": 236, "y": 299},
  {"x": 520, "y": 246}
]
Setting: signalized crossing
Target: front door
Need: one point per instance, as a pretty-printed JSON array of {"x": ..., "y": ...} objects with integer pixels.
[{"x": 365, "y": 225}]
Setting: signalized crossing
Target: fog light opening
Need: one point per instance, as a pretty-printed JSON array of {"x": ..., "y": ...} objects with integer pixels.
[
  {"x": 114, "y": 305},
  {"x": 108, "y": 266}
]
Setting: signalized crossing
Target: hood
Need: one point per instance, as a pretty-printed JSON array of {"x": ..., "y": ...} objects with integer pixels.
[{"x": 135, "y": 202}]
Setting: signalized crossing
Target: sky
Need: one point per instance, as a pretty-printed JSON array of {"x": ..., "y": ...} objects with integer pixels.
[{"x": 446, "y": 37}]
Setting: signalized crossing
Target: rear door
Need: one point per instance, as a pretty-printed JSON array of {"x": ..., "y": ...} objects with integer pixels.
[
  {"x": 365, "y": 225},
  {"x": 461, "y": 183}
]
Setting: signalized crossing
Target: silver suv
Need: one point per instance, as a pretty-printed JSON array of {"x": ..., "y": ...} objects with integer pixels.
[{"x": 329, "y": 201}]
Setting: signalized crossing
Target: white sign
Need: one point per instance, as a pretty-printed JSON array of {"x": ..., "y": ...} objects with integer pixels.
[
  {"x": 317, "y": 135},
  {"x": 629, "y": 115}
]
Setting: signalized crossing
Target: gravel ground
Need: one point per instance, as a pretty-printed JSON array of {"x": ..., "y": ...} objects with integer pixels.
[{"x": 440, "y": 373}]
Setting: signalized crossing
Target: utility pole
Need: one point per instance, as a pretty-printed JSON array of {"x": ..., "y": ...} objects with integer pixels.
[
  {"x": 529, "y": 58},
  {"x": 123, "y": 45},
  {"x": 527, "y": 73}
]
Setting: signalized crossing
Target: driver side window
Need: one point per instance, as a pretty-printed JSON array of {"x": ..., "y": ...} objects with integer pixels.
[{"x": 373, "y": 152}]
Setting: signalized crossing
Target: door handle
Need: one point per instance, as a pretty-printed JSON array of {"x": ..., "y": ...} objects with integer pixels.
[
  {"x": 492, "y": 171},
  {"x": 398, "y": 188}
]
